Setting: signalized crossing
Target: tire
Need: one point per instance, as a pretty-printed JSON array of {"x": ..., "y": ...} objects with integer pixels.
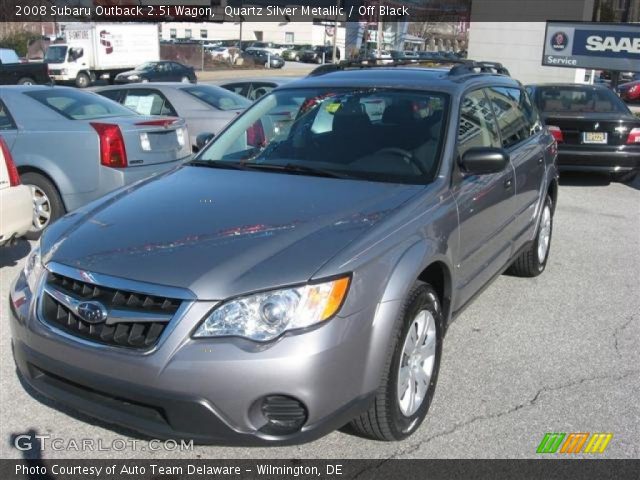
[
  {"x": 83, "y": 80},
  {"x": 26, "y": 81},
  {"x": 387, "y": 418},
  {"x": 533, "y": 261},
  {"x": 626, "y": 177},
  {"x": 41, "y": 187}
]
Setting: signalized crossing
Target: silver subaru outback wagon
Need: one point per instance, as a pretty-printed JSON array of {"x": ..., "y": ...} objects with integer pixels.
[{"x": 301, "y": 271}]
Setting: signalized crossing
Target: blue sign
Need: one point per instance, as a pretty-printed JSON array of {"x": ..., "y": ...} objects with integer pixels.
[{"x": 595, "y": 45}]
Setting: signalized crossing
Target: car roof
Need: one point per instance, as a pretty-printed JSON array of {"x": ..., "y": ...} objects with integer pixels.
[
  {"x": 568, "y": 84},
  {"x": 406, "y": 77},
  {"x": 276, "y": 80},
  {"x": 178, "y": 85}
]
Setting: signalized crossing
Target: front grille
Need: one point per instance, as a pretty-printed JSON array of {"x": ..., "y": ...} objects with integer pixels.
[{"x": 134, "y": 320}]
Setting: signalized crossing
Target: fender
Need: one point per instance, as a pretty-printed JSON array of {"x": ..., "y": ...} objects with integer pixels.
[{"x": 405, "y": 272}]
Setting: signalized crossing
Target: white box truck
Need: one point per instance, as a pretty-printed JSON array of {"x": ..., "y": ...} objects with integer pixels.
[{"x": 101, "y": 50}]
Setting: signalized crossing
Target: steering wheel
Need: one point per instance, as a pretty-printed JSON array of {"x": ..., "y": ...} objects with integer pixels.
[{"x": 405, "y": 155}]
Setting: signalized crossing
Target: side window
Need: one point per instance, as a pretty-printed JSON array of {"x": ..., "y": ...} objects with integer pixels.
[
  {"x": 477, "y": 127},
  {"x": 513, "y": 119},
  {"x": 260, "y": 89},
  {"x": 148, "y": 102},
  {"x": 239, "y": 88},
  {"x": 6, "y": 122}
]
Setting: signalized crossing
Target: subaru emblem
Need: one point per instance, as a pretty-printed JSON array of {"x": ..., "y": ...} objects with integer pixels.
[{"x": 92, "y": 312}]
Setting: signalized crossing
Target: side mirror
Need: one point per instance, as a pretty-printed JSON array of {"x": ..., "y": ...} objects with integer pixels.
[
  {"x": 483, "y": 160},
  {"x": 203, "y": 139}
]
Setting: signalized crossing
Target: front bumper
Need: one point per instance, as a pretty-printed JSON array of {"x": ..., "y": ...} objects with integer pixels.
[
  {"x": 207, "y": 390},
  {"x": 598, "y": 159}
]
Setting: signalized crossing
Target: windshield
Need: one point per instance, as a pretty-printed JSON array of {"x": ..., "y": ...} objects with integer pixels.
[
  {"x": 56, "y": 54},
  {"x": 146, "y": 66},
  {"x": 218, "y": 97},
  {"x": 367, "y": 134},
  {"x": 76, "y": 105},
  {"x": 568, "y": 99}
]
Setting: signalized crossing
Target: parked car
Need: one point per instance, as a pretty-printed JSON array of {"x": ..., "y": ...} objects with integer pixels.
[
  {"x": 630, "y": 91},
  {"x": 430, "y": 56},
  {"x": 222, "y": 53},
  {"x": 268, "y": 47},
  {"x": 205, "y": 108},
  {"x": 72, "y": 146},
  {"x": 16, "y": 206},
  {"x": 295, "y": 53},
  {"x": 15, "y": 72},
  {"x": 255, "y": 88},
  {"x": 595, "y": 130},
  {"x": 262, "y": 58},
  {"x": 403, "y": 56},
  {"x": 158, "y": 72},
  {"x": 319, "y": 53},
  {"x": 285, "y": 283}
]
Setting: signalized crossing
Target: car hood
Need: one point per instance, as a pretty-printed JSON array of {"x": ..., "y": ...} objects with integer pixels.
[{"x": 221, "y": 233}]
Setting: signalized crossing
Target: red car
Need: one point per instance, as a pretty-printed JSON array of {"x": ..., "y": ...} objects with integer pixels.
[{"x": 630, "y": 92}]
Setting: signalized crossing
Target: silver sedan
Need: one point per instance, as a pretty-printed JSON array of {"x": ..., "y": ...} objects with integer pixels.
[
  {"x": 206, "y": 108},
  {"x": 72, "y": 146}
]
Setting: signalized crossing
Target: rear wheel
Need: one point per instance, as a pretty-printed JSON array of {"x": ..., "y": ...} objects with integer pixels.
[
  {"x": 47, "y": 204},
  {"x": 83, "y": 80},
  {"x": 533, "y": 261},
  {"x": 26, "y": 81},
  {"x": 411, "y": 371}
]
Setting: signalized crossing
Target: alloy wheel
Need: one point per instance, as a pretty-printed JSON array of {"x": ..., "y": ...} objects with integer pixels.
[
  {"x": 416, "y": 363},
  {"x": 544, "y": 234},
  {"x": 41, "y": 208}
]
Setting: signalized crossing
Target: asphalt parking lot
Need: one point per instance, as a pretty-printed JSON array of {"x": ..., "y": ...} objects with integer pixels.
[{"x": 558, "y": 353}]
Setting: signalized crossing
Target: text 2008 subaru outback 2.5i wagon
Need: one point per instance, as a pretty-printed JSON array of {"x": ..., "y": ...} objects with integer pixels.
[{"x": 301, "y": 271}]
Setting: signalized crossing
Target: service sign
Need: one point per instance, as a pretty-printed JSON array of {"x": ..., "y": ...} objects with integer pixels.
[{"x": 602, "y": 46}]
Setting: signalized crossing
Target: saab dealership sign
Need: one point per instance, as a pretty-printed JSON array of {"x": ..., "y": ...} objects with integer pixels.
[{"x": 604, "y": 46}]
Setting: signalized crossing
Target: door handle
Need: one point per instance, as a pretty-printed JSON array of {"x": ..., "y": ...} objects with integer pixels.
[
  {"x": 540, "y": 161},
  {"x": 508, "y": 183}
]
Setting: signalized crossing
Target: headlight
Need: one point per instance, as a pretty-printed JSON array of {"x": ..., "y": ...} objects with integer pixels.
[
  {"x": 134, "y": 77},
  {"x": 33, "y": 268},
  {"x": 265, "y": 316}
]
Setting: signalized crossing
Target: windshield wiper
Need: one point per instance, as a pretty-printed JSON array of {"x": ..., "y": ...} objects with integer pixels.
[
  {"x": 292, "y": 168},
  {"x": 217, "y": 164}
]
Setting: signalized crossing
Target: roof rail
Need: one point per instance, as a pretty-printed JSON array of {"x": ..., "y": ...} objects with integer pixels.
[
  {"x": 458, "y": 66},
  {"x": 471, "y": 66}
]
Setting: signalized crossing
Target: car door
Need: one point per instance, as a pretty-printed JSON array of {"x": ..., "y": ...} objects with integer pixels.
[
  {"x": 520, "y": 131},
  {"x": 485, "y": 202}
]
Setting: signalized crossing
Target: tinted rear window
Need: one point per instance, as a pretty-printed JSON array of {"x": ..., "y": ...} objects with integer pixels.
[
  {"x": 218, "y": 97},
  {"x": 578, "y": 99},
  {"x": 77, "y": 105}
]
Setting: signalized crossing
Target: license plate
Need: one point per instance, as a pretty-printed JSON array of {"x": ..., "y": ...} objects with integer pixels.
[{"x": 594, "y": 137}]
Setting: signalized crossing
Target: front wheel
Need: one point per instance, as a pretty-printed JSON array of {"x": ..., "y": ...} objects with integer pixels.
[
  {"x": 411, "y": 371},
  {"x": 83, "y": 80},
  {"x": 533, "y": 261}
]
